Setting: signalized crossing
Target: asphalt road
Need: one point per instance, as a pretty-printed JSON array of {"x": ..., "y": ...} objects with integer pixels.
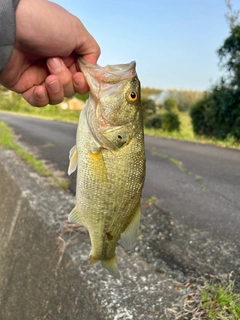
[{"x": 198, "y": 184}]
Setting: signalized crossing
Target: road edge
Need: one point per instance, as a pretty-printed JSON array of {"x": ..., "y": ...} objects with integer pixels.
[{"x": 43, "y": 270}]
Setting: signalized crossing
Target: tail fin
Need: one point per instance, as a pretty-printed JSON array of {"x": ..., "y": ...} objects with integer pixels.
[{"x": 111, "y": 266}]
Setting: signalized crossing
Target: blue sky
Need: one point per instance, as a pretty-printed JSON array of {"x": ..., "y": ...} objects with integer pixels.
[{"x": 174, "y": 42}]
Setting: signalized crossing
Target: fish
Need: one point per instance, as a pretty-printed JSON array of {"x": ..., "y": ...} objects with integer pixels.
[{"x": 109, "y": 156}]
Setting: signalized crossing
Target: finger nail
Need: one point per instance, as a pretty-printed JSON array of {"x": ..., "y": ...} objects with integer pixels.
[
  {"x": 55, "y": 64},
  {"x": 54, "y": 86}
]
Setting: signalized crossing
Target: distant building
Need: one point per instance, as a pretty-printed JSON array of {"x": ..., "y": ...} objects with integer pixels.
[{"x": 72, "y": 104}]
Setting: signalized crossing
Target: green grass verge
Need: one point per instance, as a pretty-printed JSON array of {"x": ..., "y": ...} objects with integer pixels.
[
  {"x": 220, "y": 301},
  {"x": 16, "y": 104},
  {"x": 216, "y": 299},
  {"x": 186, "y": 134},
  {"x": 7, "y": 142}
]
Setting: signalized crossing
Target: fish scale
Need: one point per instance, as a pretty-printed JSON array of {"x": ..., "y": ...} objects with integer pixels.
[{"x": 110, "y": 160}]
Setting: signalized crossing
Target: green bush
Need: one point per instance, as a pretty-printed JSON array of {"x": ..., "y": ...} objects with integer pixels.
[
  {"x": 217, "y": 115},
  {"x": 170, "y": 122},
  {"x": 202, "y": 117},
  {"x": 170, "y": 105},
  {"x": 154, "y": 121},
  {"x": 149, "y": 108}
]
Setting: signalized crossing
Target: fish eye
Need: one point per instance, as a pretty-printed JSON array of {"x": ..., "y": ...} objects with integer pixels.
[{"x": 132, "y": 95}]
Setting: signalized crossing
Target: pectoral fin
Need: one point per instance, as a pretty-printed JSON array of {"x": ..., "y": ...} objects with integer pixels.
[
  {"x": 128, "y": 237},
  {"x": 74, "y": 217},
  {"x": 73, "y": 157},
  {"x": 97, "y": 167}
]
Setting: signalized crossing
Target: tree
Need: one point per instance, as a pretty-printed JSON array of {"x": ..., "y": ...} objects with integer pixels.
[
  {"x": 229, "y": 55},
  {"x": 155, "y": 121},
  {"x": 218, "y": 114},
  {"x": 232, "y": 15}
]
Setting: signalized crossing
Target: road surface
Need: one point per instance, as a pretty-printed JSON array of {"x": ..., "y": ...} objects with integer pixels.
[{"x": 198, "y": 184}]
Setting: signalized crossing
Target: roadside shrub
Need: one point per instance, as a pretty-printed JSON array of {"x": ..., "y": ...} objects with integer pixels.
[
  {"x": 217, "y": 115},
  {"x": 149, "y": 108},
  {"x": 154, "y": 121},
  {"x": 202, "y": 117},
  {"x": 170, "y": 105},
  {"x": 170, "y": 122}
]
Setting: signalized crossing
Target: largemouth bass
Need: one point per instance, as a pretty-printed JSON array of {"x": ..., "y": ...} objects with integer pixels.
[{"x": 110, "y": 160}]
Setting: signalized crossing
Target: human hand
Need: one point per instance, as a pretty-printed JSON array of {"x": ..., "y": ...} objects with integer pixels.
[{"x": 42, "y": 66}]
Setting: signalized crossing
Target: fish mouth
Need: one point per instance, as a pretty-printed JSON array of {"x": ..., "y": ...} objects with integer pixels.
[
  {"x": 108, "y": 74},
  {"x": 100, "y": 79}
]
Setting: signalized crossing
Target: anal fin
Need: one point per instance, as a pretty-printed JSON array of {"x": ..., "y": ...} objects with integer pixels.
[
  {"x": 74, "y": 216},
  {"x": 129, "y": 235}
]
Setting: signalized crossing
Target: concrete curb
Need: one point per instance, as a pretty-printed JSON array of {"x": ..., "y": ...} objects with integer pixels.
[{"x": 35, "y": 284}]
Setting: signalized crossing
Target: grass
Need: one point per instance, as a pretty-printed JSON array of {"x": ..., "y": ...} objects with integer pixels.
[
  {"x": 186, "y": 133},
  {"x": 220, "y": 301},
  {"x": 213, "y": 300},
  {"x": 16, "y": 104},
  {"x": 7, "y": 141}
]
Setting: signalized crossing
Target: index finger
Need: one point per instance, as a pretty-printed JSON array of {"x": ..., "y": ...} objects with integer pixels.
[{"x": 88, "y": 48}]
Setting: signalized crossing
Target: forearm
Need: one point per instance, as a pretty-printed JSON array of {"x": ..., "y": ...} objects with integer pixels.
[{"x": 7, "y": 30}]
